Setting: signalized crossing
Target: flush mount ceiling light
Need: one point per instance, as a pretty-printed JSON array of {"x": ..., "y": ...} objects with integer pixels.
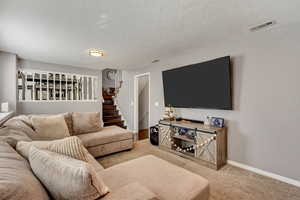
[
  {"x": 155, "y": 61},
  {"x": 96, "y": 52}
]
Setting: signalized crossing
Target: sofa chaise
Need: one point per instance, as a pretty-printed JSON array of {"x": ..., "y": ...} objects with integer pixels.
[{"x": 108, "y": 140}]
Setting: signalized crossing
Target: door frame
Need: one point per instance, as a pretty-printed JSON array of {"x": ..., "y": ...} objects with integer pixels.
[{"x": 136, "y": 103}]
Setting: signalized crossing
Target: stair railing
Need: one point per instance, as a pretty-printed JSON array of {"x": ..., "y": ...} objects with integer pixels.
[{"x": 118, "y": 86}]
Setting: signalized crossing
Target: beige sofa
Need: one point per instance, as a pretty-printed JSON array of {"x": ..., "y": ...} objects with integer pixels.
[
  {"x": 108, "y": 140},
  {"x": 145, "y": 178}
]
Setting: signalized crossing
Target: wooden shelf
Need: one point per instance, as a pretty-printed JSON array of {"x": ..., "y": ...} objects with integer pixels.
[
  {"x": 185, "y": 138},
  {"x": 191, "y": 125}
]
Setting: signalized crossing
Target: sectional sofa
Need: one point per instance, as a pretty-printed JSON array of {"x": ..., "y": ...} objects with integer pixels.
[{"x": 144, "y": 178}]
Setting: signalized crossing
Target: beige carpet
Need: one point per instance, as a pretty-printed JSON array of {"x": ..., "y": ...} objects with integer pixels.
[{"x": 230, "y": 182}]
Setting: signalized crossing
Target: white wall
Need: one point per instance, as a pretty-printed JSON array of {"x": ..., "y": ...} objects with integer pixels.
[
  {"x": 143, "y": 88},
  {"x": 263, "y": 128},
  {"x": 8, "y": 90},
  {"x": 60, "y": 107}
]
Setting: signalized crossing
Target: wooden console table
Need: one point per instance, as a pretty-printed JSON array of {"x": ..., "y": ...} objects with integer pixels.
[{"x": 201, "y": 143}]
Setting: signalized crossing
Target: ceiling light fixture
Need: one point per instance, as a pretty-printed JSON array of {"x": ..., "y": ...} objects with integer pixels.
[
  {"x": 96, "y": 52},
  {"x": 155, "y": 61}
]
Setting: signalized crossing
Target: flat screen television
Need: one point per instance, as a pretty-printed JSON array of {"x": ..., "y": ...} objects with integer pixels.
[{"x": 202, "y": 85}]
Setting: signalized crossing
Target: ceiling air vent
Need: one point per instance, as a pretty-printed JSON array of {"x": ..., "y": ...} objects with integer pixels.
[{"x": 262, "y": 26}]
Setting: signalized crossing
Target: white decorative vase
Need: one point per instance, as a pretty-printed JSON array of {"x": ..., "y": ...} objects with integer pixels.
[{"x": 207, "y": 120}]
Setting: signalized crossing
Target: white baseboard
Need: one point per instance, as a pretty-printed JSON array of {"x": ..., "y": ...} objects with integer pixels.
[{"x": 265, "y": 173}]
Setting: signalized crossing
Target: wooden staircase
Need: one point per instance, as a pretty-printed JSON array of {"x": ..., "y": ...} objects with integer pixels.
[{"x": 111, "y": 115}]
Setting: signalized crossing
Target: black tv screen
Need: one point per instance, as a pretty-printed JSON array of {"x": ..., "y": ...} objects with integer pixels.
[{"x": 203, "y": 85}]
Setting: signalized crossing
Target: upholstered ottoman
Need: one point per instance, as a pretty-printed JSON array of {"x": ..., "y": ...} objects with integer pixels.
[{"x": 164, "y": 179}]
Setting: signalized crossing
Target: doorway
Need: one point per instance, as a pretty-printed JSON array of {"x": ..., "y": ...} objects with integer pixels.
[{"x": 142, "y": 105}]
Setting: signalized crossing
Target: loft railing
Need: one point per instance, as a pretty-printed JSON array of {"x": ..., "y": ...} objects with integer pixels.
[{"x": 48, "y": 86}]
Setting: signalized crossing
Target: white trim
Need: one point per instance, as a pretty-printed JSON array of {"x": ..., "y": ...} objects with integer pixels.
[
  {"x": 60, "y": 89},
  {"x": 93, "y": 89},
  {"x": 48, "y": 87},
  {"x": 54, "y": 72},
  {"x": 265, "y": 173},
  {"x": 88, "y": 88},
  {"x": 56, "y": 101},
  {"x": 120, "y": 112},
  {"x": 41, "y": 89},
  {"x": 82, "y": 88},
  {"x": 136, "y": 102},
  {"x": 26, "y": 89},
  {"x": 72, "y": 89},
  {"x": 33, "y": 87}
]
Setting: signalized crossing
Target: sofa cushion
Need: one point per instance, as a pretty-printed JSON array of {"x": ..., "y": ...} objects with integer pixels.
[
  {"x": 65, "y": 177},
  {"x": 17, "y": 129},
  {"x": 70, "y": 146},
  {"x": 67, "y": 116},
  {"x": 86, "y": 122},
  {"x": 23, "y": 147},
  {"x": 91, "y": 160},
  {"x": 108, "y": 134},
  {"x": 164, "y": 179},
  {"x": 69, "y": 122},
  {"x": 50, "y": 127},
  {"x": 105, "y": 149},
  {"x": 133, "y": 191},
  {"x": 16, "y": 178},
  {"x": 13, "y": 136}
]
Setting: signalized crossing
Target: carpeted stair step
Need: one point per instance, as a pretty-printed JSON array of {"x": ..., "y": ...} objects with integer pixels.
[
  {"x": 109, "y": 107},
  {"x": 110, "y": 112},
  {"x": 108, "y": 97},
  {"x": 108, "y": 102},
  {"x": 117, "y": 122},
  {"x": 110, "y": 117}
]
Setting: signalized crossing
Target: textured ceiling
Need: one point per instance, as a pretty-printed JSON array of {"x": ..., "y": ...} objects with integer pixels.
[{"x": 132, "y": 32}]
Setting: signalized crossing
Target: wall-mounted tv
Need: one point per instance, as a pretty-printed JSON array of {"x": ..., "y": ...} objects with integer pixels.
[{"x": 202, "y": 85}]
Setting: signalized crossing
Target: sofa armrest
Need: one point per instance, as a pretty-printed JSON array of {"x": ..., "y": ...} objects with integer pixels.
[{"x": 132, "y": 191}]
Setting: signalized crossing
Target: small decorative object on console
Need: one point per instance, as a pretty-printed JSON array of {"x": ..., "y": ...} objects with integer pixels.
[
  {"x": 217, "y": 122},
  {"x": 207, "y": 120},
  {"x": 169, "y": 113},
  {"x": 182, "y": 131}
]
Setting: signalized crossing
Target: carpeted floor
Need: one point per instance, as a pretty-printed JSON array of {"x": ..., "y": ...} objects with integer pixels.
[{"x": 230, "y": 183}]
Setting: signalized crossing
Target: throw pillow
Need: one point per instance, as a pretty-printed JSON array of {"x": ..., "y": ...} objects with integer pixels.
[
  {"x": 65, "y": 177},
  {"x": 86, "y": 122},
  {"x": 23, "y": 147},
  {"x": 50, "y": 127},
  {"x": 69, "y": 122},
  {"x": 70, "y": 146},
  {"x": 16, "y": 178}
]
